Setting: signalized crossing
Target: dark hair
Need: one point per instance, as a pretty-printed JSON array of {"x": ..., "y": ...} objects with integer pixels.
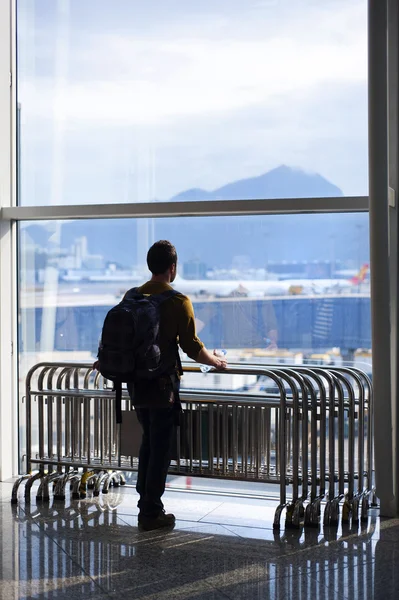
[{"x": 161, "y": 256}]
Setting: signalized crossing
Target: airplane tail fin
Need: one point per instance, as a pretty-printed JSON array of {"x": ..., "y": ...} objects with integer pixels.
[{"x": 361, "y": 276}]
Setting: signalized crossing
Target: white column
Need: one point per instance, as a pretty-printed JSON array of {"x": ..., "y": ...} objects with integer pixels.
[
  {"x": 393, "y": 159},
  {"x": 8, "y": 393},
  {"x": 379, "y": 254}
]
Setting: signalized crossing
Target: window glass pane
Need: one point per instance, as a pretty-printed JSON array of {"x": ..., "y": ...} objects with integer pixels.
[
  {"x": 263, "y": 288},
  {"x": 137, "y": 101},
  {"x": 268, "y": 290}
]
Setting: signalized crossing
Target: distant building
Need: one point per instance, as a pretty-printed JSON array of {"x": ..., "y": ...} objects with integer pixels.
[
  {"x": 322, "y": 269},
  {"x": 194, "y": 269}
]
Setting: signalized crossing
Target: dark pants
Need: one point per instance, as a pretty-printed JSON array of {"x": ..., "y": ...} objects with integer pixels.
[{"x": 154, "y": 459}]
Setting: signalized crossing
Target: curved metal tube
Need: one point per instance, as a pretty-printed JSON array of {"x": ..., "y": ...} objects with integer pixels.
[
  {"x": 365, "y": 481},
  {"x": 305, "y": 450},
  {"x": 329, "y": 515},
  {"x": 76, "y": 486},
  {"x": 301, "y": 404},
  {"x": 290, "y": 509},
  {"x": 350, "y": 505},
  {"x": 83, "y": 483},
  {"x": 30, "y": 482},
  {"x": 59, "y": 491},
  {"x": 312, "y": 515},
  {"x": 15, "y": 487},
  {"x": 308, "y": 389},
  {"x": 99, "y": 481},
  {"x": 334, "y": 513},
  {"x": 110, "y": 477},
  {"x": 43, "y": 494}
]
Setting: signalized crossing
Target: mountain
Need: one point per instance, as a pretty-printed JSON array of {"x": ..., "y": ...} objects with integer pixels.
[
  {"x": 281, "y": 182},
  {"x": 217, "y": 240},
  {"x": 192, "y": 195}
]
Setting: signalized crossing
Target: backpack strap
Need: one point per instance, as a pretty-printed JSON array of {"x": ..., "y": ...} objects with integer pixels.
[
  {"x": 154, "y": 298},
  {"x": 179, "y": 365},
  {"x": 118, "y": 401},
  {"x": 131, "y": 292},
  {"x": 160, "y": 298}
]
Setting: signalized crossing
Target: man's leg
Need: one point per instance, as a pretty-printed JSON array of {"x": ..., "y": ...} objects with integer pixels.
[
  {"x": 143, "y": 415},
  {"x": 162, "y": 425}
]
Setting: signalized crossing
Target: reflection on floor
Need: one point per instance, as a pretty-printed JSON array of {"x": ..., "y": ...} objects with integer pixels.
[{"x": 220, "y": 548}]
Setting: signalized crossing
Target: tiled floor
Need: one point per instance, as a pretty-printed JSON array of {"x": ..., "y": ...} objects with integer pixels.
[{"x": 221, "y": 548}]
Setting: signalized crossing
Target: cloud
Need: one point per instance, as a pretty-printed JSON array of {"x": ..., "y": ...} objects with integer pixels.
[
  {"x": 145, "y": 79},
  {"x": 143, "y": 107}
]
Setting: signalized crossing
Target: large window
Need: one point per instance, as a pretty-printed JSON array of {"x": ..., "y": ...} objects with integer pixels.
[
  {"x": 138, "y": 101},
  {"x": 150, "y": 102},
  {"x": 290, "y": 288}
]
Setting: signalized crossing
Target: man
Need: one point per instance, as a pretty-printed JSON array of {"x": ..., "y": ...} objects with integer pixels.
[{"x": 157, "y": 403}]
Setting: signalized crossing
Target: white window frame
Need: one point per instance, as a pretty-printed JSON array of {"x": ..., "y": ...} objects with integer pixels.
[
  {"x": 8, "y": 271},
  {"x": 204, "y": 208},
  {"x": 11, "y": 214}
]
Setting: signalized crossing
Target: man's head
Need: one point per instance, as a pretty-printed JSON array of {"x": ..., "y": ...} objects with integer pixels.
[{"x": 162, "y": 259}]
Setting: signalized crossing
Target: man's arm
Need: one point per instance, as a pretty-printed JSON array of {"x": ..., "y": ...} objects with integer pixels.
[{"x": 190, "y": 343}]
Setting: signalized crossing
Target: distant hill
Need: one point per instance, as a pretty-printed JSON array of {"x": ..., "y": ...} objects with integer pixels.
[
  {"x": 192, "y": 195},
  {"x": 217, "y": 240},
  {"x": 282, "y": 182}
]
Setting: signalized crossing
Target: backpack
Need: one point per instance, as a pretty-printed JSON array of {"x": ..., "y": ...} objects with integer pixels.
[{"x": 129, "y": 345}]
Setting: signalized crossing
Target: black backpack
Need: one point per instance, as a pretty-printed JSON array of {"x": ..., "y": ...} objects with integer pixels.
[{"x": 129, "y": 346}]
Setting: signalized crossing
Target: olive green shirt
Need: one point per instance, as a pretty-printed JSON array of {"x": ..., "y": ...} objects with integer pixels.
[{"x": 177, "y": 321}]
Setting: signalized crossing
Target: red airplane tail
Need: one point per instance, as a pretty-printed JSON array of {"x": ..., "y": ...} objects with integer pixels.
[{"x": 361, "y": 276}]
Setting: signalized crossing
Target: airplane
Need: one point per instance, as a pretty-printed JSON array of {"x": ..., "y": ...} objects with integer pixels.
[{"x": 288, "y": 287}]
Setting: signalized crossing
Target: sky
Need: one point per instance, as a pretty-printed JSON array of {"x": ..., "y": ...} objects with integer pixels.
[{"x": 129, "y": 101}]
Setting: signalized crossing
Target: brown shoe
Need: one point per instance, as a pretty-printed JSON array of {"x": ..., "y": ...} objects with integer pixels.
[{"x": 161, "y": 520}]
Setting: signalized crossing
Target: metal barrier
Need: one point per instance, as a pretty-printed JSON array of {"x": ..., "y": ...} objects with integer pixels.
[{"x": 311, "y": 427}]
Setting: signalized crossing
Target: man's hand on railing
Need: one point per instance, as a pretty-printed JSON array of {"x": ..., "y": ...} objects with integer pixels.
[
  {"x": 220, "y": 360},
  {"x": 96, "y": 365},
  {"x": 212, "y": 359}
]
